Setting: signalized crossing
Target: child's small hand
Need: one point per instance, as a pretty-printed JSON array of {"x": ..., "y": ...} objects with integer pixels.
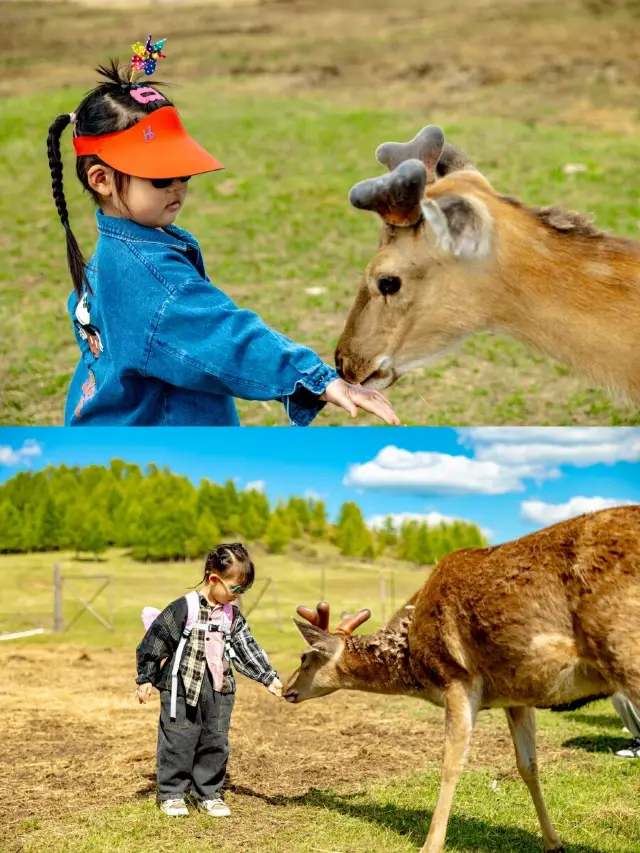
[
  {"x": 352, "y": 397},
  {"x": 275, "y": 687},
  {"x": 143, "y": 692}
]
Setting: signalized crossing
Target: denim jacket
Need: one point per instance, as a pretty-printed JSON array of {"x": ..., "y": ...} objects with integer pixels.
[{"x": 160, "y": 345}]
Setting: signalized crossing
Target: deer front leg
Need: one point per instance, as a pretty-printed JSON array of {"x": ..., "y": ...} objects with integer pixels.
[
  {"x": 522, "y": 724},
  {"x": 461, "y": 708}
]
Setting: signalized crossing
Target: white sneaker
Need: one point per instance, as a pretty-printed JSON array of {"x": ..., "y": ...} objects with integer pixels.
[
  {"x": 631, "y": 751},
  {"x": 215, "y": 808},
  {"x": 174, "y": 808}
]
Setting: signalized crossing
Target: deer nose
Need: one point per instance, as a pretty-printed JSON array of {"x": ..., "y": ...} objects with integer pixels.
[
  {"x": 291, "y": 696},
  {"x": 340, "y": 363}
]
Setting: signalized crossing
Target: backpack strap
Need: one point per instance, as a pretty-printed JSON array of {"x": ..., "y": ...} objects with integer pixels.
[
  {"x": 193, "y": 608},
  {"x": 227, "y": 623},
  {"x": 193, "y": 612}
]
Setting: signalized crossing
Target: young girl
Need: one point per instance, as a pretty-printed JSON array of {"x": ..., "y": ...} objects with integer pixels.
[
  {"x": 159, "y": 344},
  {"x": 193, "y": 745}
]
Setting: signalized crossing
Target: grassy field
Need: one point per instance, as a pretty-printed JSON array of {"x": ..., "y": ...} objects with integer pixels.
[
  {"x": 350, "y": 773},
  {"x": 294, "y": 97}
]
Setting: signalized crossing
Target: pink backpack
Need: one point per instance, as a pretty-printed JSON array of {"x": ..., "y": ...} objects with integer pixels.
[{"x": 149, "y": 614}]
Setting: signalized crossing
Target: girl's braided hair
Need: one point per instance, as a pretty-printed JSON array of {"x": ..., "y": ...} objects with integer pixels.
[
  {"x": 224, "y": 558},
  {"x": 107, "y": 108}
]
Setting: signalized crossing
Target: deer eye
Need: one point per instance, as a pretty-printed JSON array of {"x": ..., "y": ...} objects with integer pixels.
[{"x": 389, "y": 284}]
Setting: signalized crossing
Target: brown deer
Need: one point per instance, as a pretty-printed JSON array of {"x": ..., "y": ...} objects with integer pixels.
[
  {"x": 461, "y": 258},
  {"x": 549, "y": 620}
]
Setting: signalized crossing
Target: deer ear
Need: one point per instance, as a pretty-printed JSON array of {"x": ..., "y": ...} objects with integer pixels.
[
  {"x": 462, "y": 227},
  {"x": 318, "y": 639}
]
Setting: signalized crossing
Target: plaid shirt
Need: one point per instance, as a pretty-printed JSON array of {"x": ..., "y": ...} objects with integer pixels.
[{"x": 161, "y": 641}]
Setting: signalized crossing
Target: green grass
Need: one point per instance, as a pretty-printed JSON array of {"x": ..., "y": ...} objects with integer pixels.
[
  {"x": 277, "y": 222},
  {"x": 595, "y": 812},
  {"x": 592, "y": 797}
]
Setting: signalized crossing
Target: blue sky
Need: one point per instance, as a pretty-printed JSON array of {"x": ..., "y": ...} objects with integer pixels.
[{"x": 508, "y": 480}]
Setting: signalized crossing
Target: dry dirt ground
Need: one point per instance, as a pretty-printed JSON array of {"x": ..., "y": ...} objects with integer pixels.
[
  {"x": 482, "y": 57},
  {"x": 73, "y": 739}
]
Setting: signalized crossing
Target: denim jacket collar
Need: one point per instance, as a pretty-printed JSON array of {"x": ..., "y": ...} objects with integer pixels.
[{"x": 127, "y": 229}]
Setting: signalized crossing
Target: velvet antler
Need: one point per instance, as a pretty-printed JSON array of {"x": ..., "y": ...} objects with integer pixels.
[
  {"x": 318, "y": 617},
  {"x": 321, "y": 615},
  {"x": 428, "y": 146},
  {"x": 395, "y": 197},
  {"x": 350, "y": 621}
]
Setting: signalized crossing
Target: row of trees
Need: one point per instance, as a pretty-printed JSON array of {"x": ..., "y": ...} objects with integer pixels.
[{"x": 160, "y": 515}]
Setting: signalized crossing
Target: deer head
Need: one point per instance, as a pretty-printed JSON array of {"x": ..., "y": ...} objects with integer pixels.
[
  {"x": 436, "y": 236},
  {"x": 319, "y": 671}
]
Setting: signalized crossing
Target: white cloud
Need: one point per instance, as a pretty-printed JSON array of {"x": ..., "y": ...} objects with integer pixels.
[
  {"x": 442, "y": 473},
  {"x": 255, "y": 486},
  {"x": 549, "y": 447},
  {"x": 539, "y": 512},
  {"x": 503, "y": 458},
  {"x": 431, "y": 519},
  {"x": 10, "y": 456},
  {"x": 311, "y": 495}
]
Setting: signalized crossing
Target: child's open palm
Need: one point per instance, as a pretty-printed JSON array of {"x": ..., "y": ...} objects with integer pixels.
[
  {"x": 354, "y": 397},
  {"x": 275, "y": 687}
]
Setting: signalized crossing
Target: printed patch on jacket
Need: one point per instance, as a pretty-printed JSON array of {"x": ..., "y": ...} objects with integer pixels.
[
  {"x": 88, "y": 390},
  {"x": 87, "y": 331}
]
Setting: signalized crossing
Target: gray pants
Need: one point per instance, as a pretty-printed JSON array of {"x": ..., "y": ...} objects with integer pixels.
[
  {"x": 193, "y": 751},
  {"x": 628, "y": 713}
]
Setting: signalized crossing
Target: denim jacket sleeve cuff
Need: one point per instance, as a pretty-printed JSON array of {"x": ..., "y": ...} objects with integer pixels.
[{"x": 304, "y": 403}]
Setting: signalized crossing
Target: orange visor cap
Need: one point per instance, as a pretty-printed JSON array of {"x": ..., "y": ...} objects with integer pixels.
[{"x": 158, "y": 146}]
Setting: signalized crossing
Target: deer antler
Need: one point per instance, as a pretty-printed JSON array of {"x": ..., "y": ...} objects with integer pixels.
[
  {"x": 429, "y": 147},
  {"x": 395, "y": 197},
  {"x": 350, "y": 621},
  {"x": 320, "y": 618},
  {"x": 426, "y": 146}
]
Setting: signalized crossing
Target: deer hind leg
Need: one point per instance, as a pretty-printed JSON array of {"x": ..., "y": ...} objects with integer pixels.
[
  {"x": 522, "y": 724},
  {"x": 461, "y": 709}
]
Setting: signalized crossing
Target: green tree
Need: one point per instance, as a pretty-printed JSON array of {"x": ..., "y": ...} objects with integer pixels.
[
  {"x": 278, "y": 534},
  {"x": 318, "y": 520},
  {"x": 206, "y": 536},
  {"x": 48, "y": 526},
  {"x": 387, "y": 534},
  {"x": 353, "y": 537},
  {"x": 89, "y": 535},
  {"x": 11, "y": 538}
]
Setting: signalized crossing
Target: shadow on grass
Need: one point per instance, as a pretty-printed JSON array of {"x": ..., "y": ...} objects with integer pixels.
[
  {"x": 464, "y": 833},
  {"x": 597, "y": 743},
  {"x": 610, "y": 721}
]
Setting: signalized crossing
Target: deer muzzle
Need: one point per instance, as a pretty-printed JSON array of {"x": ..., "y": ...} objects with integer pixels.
[{"x": 377, "y": 374}]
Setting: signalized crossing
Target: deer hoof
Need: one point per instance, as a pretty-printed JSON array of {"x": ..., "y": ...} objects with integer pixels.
[{"x": 558, "y": 849}]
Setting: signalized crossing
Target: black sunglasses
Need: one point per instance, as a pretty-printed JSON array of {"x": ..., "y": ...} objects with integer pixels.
[{"x": 163, "y": 183}]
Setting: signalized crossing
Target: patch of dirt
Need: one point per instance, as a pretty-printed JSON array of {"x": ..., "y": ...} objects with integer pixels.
[
  {"x": 576, "y": 62},
  {"x": 74, "y": 738}
]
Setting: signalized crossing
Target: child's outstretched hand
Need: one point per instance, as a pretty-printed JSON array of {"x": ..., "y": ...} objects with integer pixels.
[
  {"x": 275, "y": 687},
  {"x": 143, "y": 692},
  {"x": 353, "y": 397}
]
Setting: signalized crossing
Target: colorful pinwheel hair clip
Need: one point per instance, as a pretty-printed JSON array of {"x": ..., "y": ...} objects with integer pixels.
[{"x": 145, "y": 56}]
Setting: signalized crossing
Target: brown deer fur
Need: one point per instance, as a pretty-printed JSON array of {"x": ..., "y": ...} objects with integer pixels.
[
  {"x": 542, "y": 621},
  {"x": 476, "y": 261}
]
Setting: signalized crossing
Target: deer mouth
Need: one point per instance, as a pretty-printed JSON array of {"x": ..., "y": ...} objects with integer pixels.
[
  {"x": 380, "y": 379},
  {"x": 292, "y": 697}
]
